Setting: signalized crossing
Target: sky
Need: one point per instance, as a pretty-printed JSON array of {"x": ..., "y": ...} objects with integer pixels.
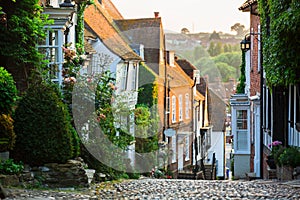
[{"x": 195, "y": 15}]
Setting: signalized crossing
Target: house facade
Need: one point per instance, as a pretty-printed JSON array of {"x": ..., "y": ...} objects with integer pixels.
[
  {"x": 274, "y": 111},
  {"x": 108, "y": 51},
  {"x": 176, "y": 91},
  {"x": 253, "y": 72}
]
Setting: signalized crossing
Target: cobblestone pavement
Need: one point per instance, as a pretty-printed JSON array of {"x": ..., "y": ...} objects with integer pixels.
[{"x": 170, "y": 189}]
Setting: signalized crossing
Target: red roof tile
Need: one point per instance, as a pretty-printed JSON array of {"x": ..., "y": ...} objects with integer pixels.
[{"x": 99, "y": 20}]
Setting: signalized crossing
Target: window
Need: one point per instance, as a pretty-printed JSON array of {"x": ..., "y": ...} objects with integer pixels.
[
  {"x": 123, "y": 77},
  {"x": 180, "y": 108},
  {"x": 173, "y": 109},
  {"x": 52, "y": 49},
  {"x": 187, "y": 148},
  {"x": 174, "y": 148},
  {"x": 134, "y": 77},
  {"x": 187, "y": 106},
  {"x": 242, "y": 132}
]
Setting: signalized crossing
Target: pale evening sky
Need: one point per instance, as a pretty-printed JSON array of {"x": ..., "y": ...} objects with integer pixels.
[{"x": 195, "y": 15}]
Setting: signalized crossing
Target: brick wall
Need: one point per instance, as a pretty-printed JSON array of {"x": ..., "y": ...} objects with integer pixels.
[{"x": 255, "y": 73}]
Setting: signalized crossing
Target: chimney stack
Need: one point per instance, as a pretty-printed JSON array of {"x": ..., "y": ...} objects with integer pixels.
[{"x": 156, "y": 14}]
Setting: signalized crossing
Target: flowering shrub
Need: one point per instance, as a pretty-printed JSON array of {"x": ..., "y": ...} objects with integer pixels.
[{"x": 277, "y": 150}]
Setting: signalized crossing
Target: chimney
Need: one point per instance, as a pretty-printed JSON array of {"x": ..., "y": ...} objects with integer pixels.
[{"x": 156, "y": 14}]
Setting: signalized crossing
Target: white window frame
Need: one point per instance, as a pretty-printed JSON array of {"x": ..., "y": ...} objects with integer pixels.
[
  {"x": 134, "y": 77},
  {"x": 180, "y": 107},
  {"x": 123, "y": 77},
  {"x": 173, "y": 109},
  {"x": 241, "y": 132},
  {"x": 54, "y": 54},
  {"x": 187, "y": 106}
]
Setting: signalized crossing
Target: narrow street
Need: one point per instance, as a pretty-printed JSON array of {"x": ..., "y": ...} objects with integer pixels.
[{"x": 172, "y": 189}]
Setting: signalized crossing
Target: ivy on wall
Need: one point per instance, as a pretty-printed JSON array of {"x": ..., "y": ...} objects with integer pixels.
[
  {"x": 280, "y": 21},
  {"x": 241, "y": 86},
  {"x": 147, "y": 110},
  {"x": 80, "y": 25}
]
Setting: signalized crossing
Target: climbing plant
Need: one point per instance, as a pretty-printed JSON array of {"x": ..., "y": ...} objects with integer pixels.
[
  {"x": 280, "y": 21},
  {"x": 146, "y": 112},
  {"x": 241, "y": 86},
  {"x": 23, "y": 29},
  {"x": 81, "y": 5}
]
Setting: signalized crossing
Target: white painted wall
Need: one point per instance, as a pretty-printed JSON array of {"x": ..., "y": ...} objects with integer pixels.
[{"x": 217, "y": 147}]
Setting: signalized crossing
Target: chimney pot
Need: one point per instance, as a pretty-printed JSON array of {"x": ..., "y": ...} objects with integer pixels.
[{"x": 156, "y": 14}]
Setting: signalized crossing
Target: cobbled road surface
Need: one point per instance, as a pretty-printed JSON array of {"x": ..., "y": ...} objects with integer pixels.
[{"x": 167, "y": 189}]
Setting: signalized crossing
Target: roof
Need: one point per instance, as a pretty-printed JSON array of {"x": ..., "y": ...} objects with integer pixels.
[
  {"x": 144, "y": 31},
  {"x": 247, "y": 4},
  {"x": 99, "y": 20},
  {"x": 111, "y": 9},
  {"x": 217, "y": 111},
  {"x": 148, "y": 32},
  {"x": 187, "y": 67}
]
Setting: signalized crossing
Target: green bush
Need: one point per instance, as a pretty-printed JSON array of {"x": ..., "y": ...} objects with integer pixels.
[
  {"x": 8, "y": 91},
  {"x": 10, "y": 167},
  {"x": 43, "y": 127},
  {"x": 290, "y": 157},
  {"x": 7, "y": 133}
]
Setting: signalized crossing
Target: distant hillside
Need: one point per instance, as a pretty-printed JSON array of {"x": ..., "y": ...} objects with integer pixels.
[{"x": 188, "y": 41}]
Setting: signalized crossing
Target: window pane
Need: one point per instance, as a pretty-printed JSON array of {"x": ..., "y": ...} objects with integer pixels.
[{"x": 242, "y": 143}]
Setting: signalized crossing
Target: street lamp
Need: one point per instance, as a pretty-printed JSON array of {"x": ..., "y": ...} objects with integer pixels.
[{"x": 245, "y": 43}]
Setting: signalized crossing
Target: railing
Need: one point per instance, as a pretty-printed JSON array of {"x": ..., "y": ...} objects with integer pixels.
[
  {"x": 294, "y": 137},
  {"x": 267, "y": 139}
]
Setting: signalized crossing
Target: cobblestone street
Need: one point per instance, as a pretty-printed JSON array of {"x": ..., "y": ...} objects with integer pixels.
[{"x": 171, "y": 189}]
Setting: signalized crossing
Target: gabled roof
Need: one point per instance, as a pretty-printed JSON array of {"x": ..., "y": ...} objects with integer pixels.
[
  {"x": 99, "y": 20},
  {"x": 246, "y": 6},
  {"x": 144, "y": 31},
  {"x": 217, "y": 111},
  {"x": 148, "y": 32},
  {"x": 186, "y": 66}
]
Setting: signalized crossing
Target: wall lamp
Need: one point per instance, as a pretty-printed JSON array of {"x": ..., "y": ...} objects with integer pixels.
[{"x": 246, "y": 42}]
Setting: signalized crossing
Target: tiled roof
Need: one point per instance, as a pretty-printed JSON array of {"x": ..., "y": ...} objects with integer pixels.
[
  {"x": 217, "y": 111},
  {"x": 111, "y": 9},
  {"x": 247, "y": 4},
  {"x": 186, "y": 66},
  {"x": 88, "y": 34},
  {"x": 148, "y": 32},
  {"x": 99, "y": 20},
  {"x": 144, "y": 31}
]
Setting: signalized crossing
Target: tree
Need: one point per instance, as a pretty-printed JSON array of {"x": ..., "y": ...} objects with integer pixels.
[
  {"x": 19, "y": 38},
  {"x": 214, "y": 36},
  {"x": 239, "y": 28},
  {"x": 185, "y": 31},
  {"x": 43, "y": 128}
]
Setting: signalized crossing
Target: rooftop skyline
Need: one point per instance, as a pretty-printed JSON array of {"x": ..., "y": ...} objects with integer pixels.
[{"x": 195, "y": 15}]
